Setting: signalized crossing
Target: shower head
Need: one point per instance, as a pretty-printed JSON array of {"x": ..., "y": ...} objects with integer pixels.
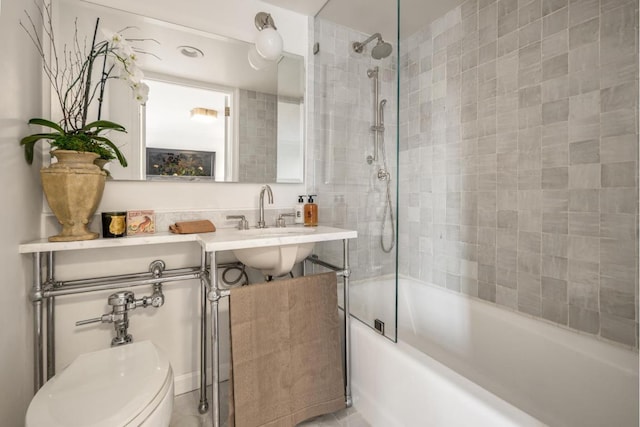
[{"x": 381, "y": 50}]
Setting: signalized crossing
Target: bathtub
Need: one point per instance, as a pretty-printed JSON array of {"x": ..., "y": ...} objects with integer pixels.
[{"x": 463, "y": 362}]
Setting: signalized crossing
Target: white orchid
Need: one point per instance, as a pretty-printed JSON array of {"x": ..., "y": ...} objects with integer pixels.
[
  {"x": 112, "y": 38},
  {"x": 141, "y": 93},
  {"x": 124, "y": 59}
]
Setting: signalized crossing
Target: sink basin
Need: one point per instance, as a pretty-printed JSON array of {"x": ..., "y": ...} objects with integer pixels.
[
  {"x": 284, "y": 231},
  {"x": 279, "y": 259}
]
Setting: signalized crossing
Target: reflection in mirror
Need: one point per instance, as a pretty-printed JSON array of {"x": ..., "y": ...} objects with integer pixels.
[
  {"x": 186, "y": 132},
  {"x": 256, "y": 133}
]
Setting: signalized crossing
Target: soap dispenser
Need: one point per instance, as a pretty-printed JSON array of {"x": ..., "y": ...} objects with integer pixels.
[
  {"x": 310, "y": 212},
  {"x": 299, "y": 209}
]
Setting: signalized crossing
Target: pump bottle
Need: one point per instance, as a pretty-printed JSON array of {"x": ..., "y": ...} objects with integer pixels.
[
  {"x": 310, "y": 212},
  {"x": 299, "y": 209}
]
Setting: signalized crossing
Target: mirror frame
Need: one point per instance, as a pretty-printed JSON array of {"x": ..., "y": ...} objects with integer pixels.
[{"x": 161, "y": 76}]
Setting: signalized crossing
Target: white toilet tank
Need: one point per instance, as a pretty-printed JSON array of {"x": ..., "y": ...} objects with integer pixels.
[{"x": 129, "y": 385}]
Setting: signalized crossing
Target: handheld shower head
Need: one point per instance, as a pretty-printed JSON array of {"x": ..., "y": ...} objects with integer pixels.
[{"x": 381, "y": 50}]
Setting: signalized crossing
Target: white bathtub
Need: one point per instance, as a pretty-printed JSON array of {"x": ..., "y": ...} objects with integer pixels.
[{"x": 463, "y": 362}]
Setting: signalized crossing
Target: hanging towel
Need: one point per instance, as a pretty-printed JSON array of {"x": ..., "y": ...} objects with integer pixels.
[
  {"x": 285, "y": 348},
  {"x": 190, "y": 227}
]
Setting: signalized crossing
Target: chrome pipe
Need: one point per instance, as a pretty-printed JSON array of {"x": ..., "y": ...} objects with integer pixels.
[
  {"x": 347, "y": 325},
  {"x": 51, "y": 352},
  {"x": 358, "y": 46},
  {"x": 203, "y": 407},
  {"x": 38, "y": 354},
  {"x": 315, "y": 260},
  {"x": 51, "y": 324},
  {"x": 214, "y": 297},
  {"x": 71, "y": 290},
  {"x": 121, "y": 277}
]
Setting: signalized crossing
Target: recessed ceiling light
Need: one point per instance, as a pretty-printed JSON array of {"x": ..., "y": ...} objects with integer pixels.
[{"x": 190, "y": 51}]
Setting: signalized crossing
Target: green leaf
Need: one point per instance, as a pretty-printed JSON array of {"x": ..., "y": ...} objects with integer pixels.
[
  {"x": 29, "y": 143},
  {"x": 101, "y": 125},
  {"x": 115, "y": 149},
  {"x": 32, "y": 139},
  {"x": 28, "y": 151},
  {"x": 47, "y": 123}
]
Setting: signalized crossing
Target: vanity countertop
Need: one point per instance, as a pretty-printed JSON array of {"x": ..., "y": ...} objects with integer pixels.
[{"x": 221, "y": 240}]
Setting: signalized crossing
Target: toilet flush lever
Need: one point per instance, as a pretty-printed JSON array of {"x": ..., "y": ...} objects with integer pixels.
[
  {"x": 101, "y": 319},
  {"x": 122, "y": 303}
]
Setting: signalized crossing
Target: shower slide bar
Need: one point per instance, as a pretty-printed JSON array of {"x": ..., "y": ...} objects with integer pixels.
[{"x": 378, "y": 114}]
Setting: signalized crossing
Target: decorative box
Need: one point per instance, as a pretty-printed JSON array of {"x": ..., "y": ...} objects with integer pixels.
[{"x": 141, "y": 222}]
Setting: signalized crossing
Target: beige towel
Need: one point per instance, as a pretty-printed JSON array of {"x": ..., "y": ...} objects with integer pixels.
[
  {"x": 190, "y": 227},
  {"x": 286, "y": 354}
]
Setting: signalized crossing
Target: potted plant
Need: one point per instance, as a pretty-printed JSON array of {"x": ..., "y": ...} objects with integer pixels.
[{"x": 73, "y": 186}]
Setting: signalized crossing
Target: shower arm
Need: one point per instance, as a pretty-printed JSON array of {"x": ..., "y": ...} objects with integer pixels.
[{"x": 358, "y": 46}]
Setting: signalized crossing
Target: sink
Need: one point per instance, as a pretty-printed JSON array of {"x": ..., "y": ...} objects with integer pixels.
[
  {"x": 275, "y": 260},
  {"x": 273, "y": 232}
]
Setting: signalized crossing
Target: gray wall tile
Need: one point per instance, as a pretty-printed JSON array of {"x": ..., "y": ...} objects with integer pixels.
[
  {"x": 619, "y": 174},
  {"x": 618, "y": 226},
  {"x": 584, "y": 152},
  {"x": 554, "y": 267},
  {"x": 555, "y": 311},
  {"x": 555, "y": 22},
  {"x": 619, "y": 97},
  {"x": 584, "y": 200},
  {"x": 584, "y": 33},
  {"x": 555, "y": 178},
  {"x": 555, "y": 44},
  {"x": 617, "y": 303},
  {"x": 528, "y": 113},
  {"x": 619, "y": 148},
  {"x": 582, "y": 10},
  {"x": 550, "y": 6},
  {"x": 584, "y": 176},
  {"x": 584, "y": 224},
  {"x": 584, "y": 320},
  {"x": 554, "y": 289},
  {"x": 618, "y": 329},
  {"x": 530, "y": 303},
  {"x": 555, "y": 67}
]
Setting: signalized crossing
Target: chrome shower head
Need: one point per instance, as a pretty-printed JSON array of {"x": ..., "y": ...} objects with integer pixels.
[{"x": 381, "y": 50}]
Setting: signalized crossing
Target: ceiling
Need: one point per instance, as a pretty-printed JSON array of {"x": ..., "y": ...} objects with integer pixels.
[
  {"x": 373, "y": 16},
  {"x": 224, "y": 61}
]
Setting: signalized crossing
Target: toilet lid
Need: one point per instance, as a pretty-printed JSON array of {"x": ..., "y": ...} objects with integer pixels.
[{"x": 107, "y": 388}]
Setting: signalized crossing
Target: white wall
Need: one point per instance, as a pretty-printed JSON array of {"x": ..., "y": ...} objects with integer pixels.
[
  {"x": 20, "y": 85},
  {"x": 173, "y": 327}
]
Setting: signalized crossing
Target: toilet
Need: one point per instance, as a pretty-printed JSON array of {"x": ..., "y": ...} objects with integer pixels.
[{"x": 128, "y": 385}]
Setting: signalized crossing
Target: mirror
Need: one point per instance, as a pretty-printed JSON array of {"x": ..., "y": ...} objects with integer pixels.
[{"x": 251, "y": 126}]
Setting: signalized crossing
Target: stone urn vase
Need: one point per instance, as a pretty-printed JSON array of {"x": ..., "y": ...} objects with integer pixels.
[{"x": 73, "y": 187}]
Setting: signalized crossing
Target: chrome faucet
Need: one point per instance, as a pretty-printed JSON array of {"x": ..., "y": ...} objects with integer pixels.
[{"x": 261, "y": 223}]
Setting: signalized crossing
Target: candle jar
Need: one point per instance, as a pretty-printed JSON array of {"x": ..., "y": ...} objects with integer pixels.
[{"x": 114, "y": 224}]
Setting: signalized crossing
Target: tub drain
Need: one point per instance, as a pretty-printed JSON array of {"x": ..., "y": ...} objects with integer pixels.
[{"x": 379, "y": 326}]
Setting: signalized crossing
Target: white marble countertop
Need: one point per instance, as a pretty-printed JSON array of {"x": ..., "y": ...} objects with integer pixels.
[{"x": 220, "y": 240}]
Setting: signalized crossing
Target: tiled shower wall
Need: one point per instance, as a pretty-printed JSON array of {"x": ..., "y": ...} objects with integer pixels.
[
  {"x": 349, "y": 192},
  {"x": 519, "y": 159},
  {"x": 258, "y": 136}
]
